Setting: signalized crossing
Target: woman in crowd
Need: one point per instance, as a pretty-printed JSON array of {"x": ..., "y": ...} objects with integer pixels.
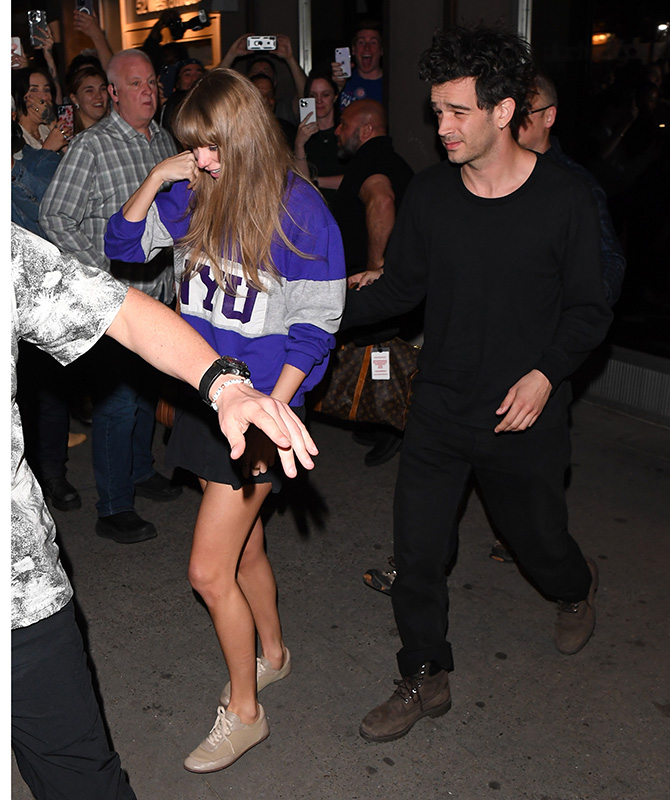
[
  {"x": 33, "y": 91},
  {"x": 260, "y": 268},
  {"x": 89, "y": 95},
  {"x": 315, "y": 142},
  {"x": 42, "y": 389}
]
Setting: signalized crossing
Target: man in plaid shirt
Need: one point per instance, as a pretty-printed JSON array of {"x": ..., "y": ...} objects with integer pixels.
[{"x": 103, "y": 166}]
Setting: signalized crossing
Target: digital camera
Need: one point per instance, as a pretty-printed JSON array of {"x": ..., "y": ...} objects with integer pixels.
[{"x": 261, "y": 42}]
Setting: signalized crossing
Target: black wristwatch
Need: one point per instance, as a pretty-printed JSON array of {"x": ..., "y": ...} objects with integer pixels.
[{"x": 226, "y": 365}]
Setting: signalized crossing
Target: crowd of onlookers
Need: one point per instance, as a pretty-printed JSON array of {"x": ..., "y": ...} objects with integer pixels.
[
  {"x": 625, "y": 147},
  {"x": 76, "y": 157}
]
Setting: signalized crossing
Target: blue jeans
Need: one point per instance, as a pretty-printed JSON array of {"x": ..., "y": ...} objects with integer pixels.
[{"x": 125, "y": 390}]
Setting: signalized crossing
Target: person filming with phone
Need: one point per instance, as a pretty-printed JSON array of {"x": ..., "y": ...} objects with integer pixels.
[
  {"x": 365, "y": 82},
  {"x": 316, "y": 149}
]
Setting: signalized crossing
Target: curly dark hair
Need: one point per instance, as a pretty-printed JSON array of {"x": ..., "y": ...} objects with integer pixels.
[{"x": 500, "y": 62}]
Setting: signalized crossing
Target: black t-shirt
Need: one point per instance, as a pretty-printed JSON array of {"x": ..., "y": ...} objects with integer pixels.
[
  {"x": 321, "y": 151},
  {"x": 321, "y": 154},
  {"x": 375, "y": 157}
]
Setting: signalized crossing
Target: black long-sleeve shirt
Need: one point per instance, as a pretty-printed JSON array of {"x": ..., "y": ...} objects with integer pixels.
[
  {"x": 511, "y": 284},
  {"x": 611, "y": 254}
]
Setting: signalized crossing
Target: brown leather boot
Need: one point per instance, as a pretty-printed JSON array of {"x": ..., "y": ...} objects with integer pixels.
[
  {"x": 420, "y": 695},
  {"x": 575, "y": 622}
]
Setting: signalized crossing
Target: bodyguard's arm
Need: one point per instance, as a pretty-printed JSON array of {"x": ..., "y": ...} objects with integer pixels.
[{"x": 170, "y": 344}]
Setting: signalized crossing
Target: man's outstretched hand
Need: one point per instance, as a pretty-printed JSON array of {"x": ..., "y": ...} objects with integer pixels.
[{"x": 240, "y": 406}]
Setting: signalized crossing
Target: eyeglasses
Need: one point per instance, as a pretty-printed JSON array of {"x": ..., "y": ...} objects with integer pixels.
[{"x": 537, "y": 110}]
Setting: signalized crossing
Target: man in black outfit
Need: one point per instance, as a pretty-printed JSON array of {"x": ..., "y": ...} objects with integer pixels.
[
  {"x": 536, "y": 134},
  {"x": 365, "y": 208},
  {"x": 504, "y": 247},
  {"x": 372, "y": 187}
]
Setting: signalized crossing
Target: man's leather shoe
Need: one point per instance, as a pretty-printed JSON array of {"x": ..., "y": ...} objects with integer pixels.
[
  {"x": 126, "y": 527},
  {"x": 62, "y": 494},
  {"x": 387, "y": 444},
  {"x": 157, "y": 487},
  {"x": 420, "y": 695},
  {"x": 575, "y": 622}
]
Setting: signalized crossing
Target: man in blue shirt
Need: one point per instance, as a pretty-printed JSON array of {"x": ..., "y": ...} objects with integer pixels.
[{"x": 365, "y": 82}]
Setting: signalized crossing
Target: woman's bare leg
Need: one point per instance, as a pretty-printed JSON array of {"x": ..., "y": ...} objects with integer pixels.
[
  {"x": 225, "y": 520},
  {"x": 257, "y": 582}
]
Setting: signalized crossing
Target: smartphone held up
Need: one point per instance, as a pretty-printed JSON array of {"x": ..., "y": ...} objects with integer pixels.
[
  {"x": 37, "y": 25},
  {"x": 307, "y": 106},
  {"x": 343, "y": 58},
  {"x": 65, "y": 120},
  {"x": 85, "y": 6}
]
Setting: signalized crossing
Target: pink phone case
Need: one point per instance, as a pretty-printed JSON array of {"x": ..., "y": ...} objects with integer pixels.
[{"x": 66, "y": 115}]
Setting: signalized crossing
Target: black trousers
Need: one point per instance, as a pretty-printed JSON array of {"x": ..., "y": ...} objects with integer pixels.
[
  {"x": 521, "y": 476},
  {"x": 58, "y": 735}
]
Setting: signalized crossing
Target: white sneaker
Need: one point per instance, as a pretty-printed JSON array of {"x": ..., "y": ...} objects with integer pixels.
[
  {"x": 265, "y": 675},
  {"x": 227, "y": 741}
]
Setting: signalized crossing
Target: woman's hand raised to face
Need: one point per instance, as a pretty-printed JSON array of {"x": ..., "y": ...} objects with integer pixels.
[{"x": 181, "y": 167}]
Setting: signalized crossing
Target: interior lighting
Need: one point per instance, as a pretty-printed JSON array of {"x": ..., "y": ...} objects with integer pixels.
[{"x": 600, "y": 38}]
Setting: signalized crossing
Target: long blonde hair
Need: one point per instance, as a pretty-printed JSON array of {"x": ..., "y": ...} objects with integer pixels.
[{"x": 238, "y": 216}]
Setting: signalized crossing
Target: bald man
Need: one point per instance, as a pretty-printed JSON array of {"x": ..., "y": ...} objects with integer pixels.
[
  {"x": 99, "y": 172},
  {"x": 365, "y": 207},
  {"x": 371, "y": 190}
]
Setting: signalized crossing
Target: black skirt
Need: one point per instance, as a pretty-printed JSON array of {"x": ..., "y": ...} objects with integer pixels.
[{"x": 197, "y": 444}]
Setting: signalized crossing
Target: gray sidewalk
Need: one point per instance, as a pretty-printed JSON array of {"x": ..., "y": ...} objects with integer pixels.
[{"x": 526, "y": 721}]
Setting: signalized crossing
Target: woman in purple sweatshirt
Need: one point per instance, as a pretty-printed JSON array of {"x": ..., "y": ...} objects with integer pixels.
[{"x": 260, "y": 275}]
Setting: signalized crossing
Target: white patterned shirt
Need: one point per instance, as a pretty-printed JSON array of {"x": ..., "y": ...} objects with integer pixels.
[
  {"x": 102, "y": 167},
  {"x": 63, "y": 307}
]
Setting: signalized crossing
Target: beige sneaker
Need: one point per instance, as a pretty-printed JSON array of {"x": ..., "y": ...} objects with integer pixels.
[
  {"x": 265, "y": 675},
  {"x": 227, "y": 741}
]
